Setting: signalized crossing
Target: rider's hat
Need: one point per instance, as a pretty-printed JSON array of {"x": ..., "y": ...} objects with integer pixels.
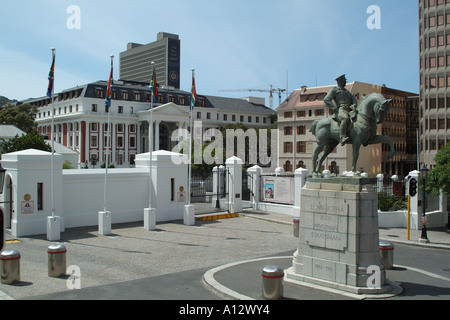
[{"x": 341, "y": 77}]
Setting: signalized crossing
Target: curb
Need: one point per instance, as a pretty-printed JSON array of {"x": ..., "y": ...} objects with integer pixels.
[{"x": 218, "y": 216}]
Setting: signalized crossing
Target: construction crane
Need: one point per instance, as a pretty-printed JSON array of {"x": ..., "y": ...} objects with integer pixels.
[{"x": 271, "y": 91}]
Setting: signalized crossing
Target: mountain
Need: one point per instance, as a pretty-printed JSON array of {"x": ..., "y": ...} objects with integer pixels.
[{"x": 5, "y": 100}]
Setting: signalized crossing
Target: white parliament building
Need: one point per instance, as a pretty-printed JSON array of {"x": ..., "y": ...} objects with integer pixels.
[{"x": 81, "y": 119}]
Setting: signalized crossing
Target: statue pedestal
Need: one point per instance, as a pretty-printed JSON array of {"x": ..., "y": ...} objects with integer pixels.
[{"x": 338, "y": 237}]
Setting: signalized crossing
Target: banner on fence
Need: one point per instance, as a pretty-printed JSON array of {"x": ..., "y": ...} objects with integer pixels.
[{"x": 278, "y": 190}]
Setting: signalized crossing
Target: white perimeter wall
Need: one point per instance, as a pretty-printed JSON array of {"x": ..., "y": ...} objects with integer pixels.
[{"x": 83, "y": 194}]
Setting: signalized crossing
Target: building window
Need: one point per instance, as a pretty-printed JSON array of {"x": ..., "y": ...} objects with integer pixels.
[
  {"x": 287, "y": 166},
  {"x": 241, "y": 119},
  {"x": 318, "y": 112},
  {"x": 301, "y": 147},
  {"x": 94, "y": 108},
  {"x": 287, "y": 147},
  {"x": 132, "y": 128},
  {"x": 225, "y": 117},
  {"x": 233, "y": 118},
  {"x": 301, "y": 130},
  {"x": 288, "y": 114},
  {"x": 94, "y": 141},
  {"x": 287, "y": 131},
  {"x": 132, "y": 142},
  {"x": 99, "y": 93},
  {"x": 120, "y": 109},
  {"x": 208, "y": 115},
  {"x": 120, "y": 127},
  {"x": 199, "y": 115},
  {"x": 125, "y": 95},
  {"x": 301, "y": 113},
  {"x": 94, "y": 127},
  {"x": 182, "y": 100},
  {"x": 137, "y": 97},
  {"x": 249, "y": 118}
]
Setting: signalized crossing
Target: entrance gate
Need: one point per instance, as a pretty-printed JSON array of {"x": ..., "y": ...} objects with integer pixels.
[{"x": 204, "y": 191}]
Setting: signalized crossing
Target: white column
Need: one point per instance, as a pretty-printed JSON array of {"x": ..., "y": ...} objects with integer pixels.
[
  {"x": 234, "y": 166},
  {"x": 255, "y": 173},
  {"x": 299, "y": 182}
]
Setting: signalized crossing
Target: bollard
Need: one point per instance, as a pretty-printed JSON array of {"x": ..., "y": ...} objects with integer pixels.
[
  {"x": 272, "y": 282},
  {"x": 10, "y": 260},
  {"x": 56, "y": 260},
  {"x": 387, "y": 254},
  {"x": 296, "y": 226}
]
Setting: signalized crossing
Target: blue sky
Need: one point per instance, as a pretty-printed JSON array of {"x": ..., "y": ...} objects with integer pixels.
[{"x": 232, "y": 44}]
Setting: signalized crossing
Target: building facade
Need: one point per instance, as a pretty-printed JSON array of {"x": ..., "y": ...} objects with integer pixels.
[
  {"x": 135, "y": 62},
  {"x": 434, "y": 44},
  {"x": 296, "y": 143},
  {"x": 81, "y": 119}
]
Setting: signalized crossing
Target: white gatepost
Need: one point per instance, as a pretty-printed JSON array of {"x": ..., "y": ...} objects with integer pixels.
[
  {"x": 380, "y": 178},
  {"x": 299, "y": 182},
  {"x": 255, "y": 173},
  {"x": 234, "y": 166}
]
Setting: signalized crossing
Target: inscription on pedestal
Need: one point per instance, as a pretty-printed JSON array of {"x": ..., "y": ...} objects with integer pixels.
[{"x": 329, "y": 228}]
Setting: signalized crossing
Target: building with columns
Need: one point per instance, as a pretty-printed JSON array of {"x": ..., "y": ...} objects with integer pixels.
[{"x": 81, "y": 119}]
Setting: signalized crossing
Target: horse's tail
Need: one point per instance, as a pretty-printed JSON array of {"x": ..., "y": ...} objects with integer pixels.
[{"x": 313, "y": 127}]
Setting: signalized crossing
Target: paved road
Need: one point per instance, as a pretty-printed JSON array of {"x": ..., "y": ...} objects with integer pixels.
[{"x": 170, "y": 263}]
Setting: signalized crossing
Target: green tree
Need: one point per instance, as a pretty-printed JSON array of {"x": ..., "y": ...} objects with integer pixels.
[
  {"x": 22, "y": 116},
  {"x": 32, "y": 140},
  {"x": 439, "y": 177}
]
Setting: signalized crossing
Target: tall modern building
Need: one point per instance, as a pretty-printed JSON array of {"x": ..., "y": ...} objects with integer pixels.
[
  {"x": 135, "y": 63},
  {"x": 434, "y": 37}
]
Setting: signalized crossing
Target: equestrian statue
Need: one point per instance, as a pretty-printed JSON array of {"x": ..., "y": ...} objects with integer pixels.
[{"x": 352, "y": 123}]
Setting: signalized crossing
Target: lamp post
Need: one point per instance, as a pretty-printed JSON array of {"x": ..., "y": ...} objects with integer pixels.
[{"x": 423, "y": 174}]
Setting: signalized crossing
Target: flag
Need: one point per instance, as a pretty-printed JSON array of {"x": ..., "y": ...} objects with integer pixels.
[
  {"x": 193, "y": 93},
  {"x": 51, "y": 77},
  {"x": 108, "y": 91},
  {"x": 154, "y": 86}
]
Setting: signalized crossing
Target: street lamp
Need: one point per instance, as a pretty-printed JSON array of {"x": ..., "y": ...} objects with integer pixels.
[{"x": 423, "y": 174}]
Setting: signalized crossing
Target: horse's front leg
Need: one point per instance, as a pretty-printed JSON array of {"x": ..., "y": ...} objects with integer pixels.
[
  {"x": 356, "y": 147},
  {"x": 384, "y": 139}
]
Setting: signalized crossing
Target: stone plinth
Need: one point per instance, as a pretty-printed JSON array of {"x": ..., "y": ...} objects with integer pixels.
[{"x": 338, "y": 237}]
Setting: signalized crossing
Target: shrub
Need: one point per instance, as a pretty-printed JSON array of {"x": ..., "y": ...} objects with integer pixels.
[{"x": 390, "y": 202}]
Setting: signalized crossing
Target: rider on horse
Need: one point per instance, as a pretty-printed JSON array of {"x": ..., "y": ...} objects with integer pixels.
[{"x": 345, "y": 108}]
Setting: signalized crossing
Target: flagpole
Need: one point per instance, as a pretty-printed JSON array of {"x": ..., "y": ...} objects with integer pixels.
[
  {"x": 108, "y": 141},
  {"x": 52, "y": 137},
  {"x": 191, "y": 138},
  {"x": 151, "y": 137}
]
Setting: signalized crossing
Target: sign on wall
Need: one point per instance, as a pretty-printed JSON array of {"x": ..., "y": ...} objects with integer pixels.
[{"x": 278, "y": 190}]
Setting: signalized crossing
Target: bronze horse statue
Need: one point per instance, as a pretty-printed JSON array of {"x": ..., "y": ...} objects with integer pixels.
[{"x": 371, "y": 112}]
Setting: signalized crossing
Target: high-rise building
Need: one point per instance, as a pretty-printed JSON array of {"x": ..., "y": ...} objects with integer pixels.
[
  {"x": 135, "y": 63},
  {"x": 434, "y": 43}
]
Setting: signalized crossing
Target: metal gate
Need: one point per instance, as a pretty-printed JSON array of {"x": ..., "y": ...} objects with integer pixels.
[
  {"x": 247, "y": 190},
  {"x": 202, "y": 188}
]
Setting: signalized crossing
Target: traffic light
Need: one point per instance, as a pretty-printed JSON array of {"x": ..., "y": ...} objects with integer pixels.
[{"x": 412, "y": 187}]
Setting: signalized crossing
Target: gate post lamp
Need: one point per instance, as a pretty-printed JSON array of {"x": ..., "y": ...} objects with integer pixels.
[{"x": 423, "y": 174}]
